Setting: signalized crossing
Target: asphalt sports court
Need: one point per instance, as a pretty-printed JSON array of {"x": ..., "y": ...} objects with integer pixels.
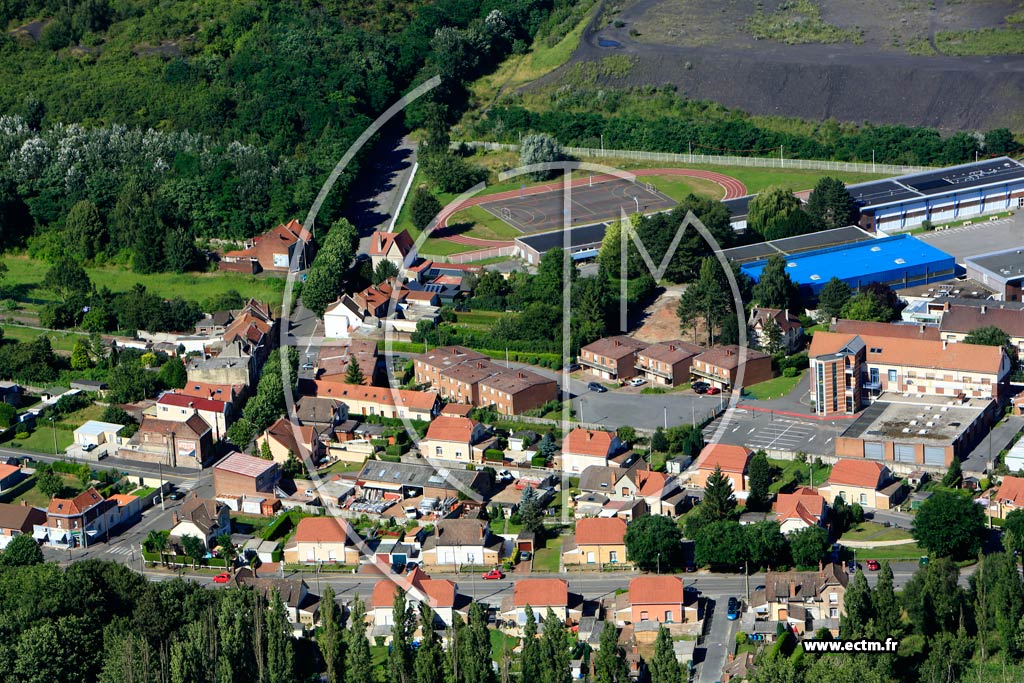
[{"x": 601, "y": 201}]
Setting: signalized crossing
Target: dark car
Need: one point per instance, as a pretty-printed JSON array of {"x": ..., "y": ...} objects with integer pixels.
[
  {"x": 525, "y": 556},
  {"x": 176, "y": 495},
  {"x": 598, "y": 387},
  {"x": 700, "y": 387},
  {"x": 732, "y": 610}
]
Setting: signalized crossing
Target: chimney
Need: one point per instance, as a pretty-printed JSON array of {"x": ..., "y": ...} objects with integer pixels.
[
  {"x": 984, "y": 309},
  {"x": 944, "y": 343},
  {"x": 821, "y": 567},
  {"x": 792, "y": 588},
  {"x": 922, "y": 328},
  {"x": 671, "y": 347},
  {"x": 522, "y": 375},
  {"x": 618, "y": 343},
  {"x": 24, "y": 503}
]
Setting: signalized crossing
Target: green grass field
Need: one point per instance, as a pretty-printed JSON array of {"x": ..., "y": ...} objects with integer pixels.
[
  {"x": 485, "y": 224},
  {"x": 872, "y": 531},
  {"x": 905, "y": 552},
  {"x": 23, "y": 270},
  {"x": 501, "y": 643},
  {"x": 791, "y": 468},
  {"x": 547, "y": 559},
  {"x": 59, "y": 340},
  {"x": 773, "y": 388}
]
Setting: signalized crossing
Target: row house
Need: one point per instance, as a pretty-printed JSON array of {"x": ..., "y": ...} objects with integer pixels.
[
  {"x": 179, "y": 408},
  {"x": 612, "y": 358},
  {"x": 458, "y": 542},
  {"x": 667, "y": 363},
  {"x": 847, "y": 372},
  {"x": 383, "y": 401},
  {"x": 803, "y": 601},
  {"x": 279, "y": 250},
  {"x": 727, "y": 367}
]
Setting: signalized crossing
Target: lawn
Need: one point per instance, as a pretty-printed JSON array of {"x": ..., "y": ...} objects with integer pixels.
[
  {"x": 505, "y": 526},
  {"x": 36, "y": 498},
  {"x": 60, "y": 341},
  {"x": 547, "y": 559},
  {"x": 773, "y": 388},
  {"x": 250, "y": 524},
  {"x": 479, "y": 319},
  {"x": 872, "y": 531},
  {"x": 485, "y": 224},
  {"x": 791, "y": 469},
  {"x": 41, "y": 440},
  {"x": 23, "y": 270},
  {"x": 905, "y": 552},
  {"x": 339, "y": 467},
  {"x": 500, "y": 641},
  {"x": 678, "y": 187}
]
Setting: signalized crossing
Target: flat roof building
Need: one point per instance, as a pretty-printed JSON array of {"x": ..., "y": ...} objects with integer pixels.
[
  {"x": 899, "y": 261},
  {"x": 1003, "y": 271}
]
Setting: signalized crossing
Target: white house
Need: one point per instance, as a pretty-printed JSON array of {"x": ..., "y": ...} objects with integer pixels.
[
  {"x": 341, "y": 318},
  {"x": 95, "y": 433}
]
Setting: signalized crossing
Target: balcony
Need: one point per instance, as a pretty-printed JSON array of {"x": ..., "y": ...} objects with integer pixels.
[{"x": 649, "y": 370}]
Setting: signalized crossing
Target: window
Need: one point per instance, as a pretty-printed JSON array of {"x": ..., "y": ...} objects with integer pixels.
[
  {"x": 863, "y": 499},
  {"x": 332, "y": 555},
  {"x": 438, "y": 450},
  {"x": 833, "y": 613},
  {"x": 892, "y": 375},
  {"x": 833, "y": 598},
  {"x": 613, "y": 556},
  {"x": 590, "y": 558},
  {"x": 643, "y": 616},
  {"x": 668, "y": 616},
  {"x": 458, "y": 454}
]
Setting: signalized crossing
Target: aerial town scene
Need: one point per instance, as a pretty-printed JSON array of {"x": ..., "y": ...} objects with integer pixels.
[{"x": 454, "y": 341}]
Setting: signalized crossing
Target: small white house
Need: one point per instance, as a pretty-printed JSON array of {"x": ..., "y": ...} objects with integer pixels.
[
  {"x": 95, "y": 433},
  {"x": 341, "y": 318}
]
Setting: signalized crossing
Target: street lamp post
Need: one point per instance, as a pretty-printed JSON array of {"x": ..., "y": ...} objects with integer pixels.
[
  {"x": 53, "y": 425},
  {"x": 659, "y": 564}
]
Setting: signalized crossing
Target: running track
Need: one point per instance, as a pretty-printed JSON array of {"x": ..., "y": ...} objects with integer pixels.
[{"x": 732, "y": 187}]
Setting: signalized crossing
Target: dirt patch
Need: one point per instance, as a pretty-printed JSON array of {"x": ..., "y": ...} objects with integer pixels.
[
  {"x": 702, "y": 48},
  {"x": 659, "y": 321}
]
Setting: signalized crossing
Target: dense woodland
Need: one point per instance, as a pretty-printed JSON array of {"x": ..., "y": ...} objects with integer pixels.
[{"x": 131, "y": 127}]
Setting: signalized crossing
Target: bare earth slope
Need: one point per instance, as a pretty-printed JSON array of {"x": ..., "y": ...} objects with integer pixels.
[{"x": 702, "y": 48}]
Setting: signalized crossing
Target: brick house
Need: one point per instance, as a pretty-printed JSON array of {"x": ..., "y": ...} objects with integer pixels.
[
  {"x": 660, "y": 599},
  {"x": 612, "y": 358},
  {"x": 186, "y": 444},
  {"x": 667, "y": 363},
  {"x": 720, "y": 367},
  {"x": 272, "y": 251},
  {"x": 453, "y": 438},
  {"x": 246, "y": 484},
  {"x": 179, "y": 407}
]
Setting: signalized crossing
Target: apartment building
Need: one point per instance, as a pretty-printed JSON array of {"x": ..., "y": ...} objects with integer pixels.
[{"x": 612, "y": 358}]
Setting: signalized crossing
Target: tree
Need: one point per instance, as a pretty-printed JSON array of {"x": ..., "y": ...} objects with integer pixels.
[
  {"x": 808, "y": 545},
  {"x": 67, "y": 279},
  {"x": 830, "y": 204},
  {"x": 80, "y": 355},
  {"x": 664, "y": 666},
  {"x": 771, "y": 204},
  {"x": 8, "y": 415},
  {"x": 429, "y": 660},
  {"x": 330, "y": 637},
  {"x": 766, "y": 546},
  {"x": 1000, "y": 141},
  {"x": 180, "y": 253},
  {"x": 719, "y": 503},
  {"x": 130, "y": 382},
  {"x": 353, "y": 373},
  {"x": 540, "y": 149},
  {"x": 400, "y": 661},
  {"x": 193, "y": 547},
  {"x": 530, "y": 665},
  {"x": 226, "y": 550},
  {"x": 84, "y": 231},
  {"x": 885, "y": 605},
  {"x": 358, "y": 660},
  {"x": 173, "y": 374},
  {"x": 857, "y": 607},
  {"x": 280, "y": 653},
  {"x": 531, "y": 516},
  {"x": 555, "y": 647},
  {"x": 868, "y": 307},
  {"x": 933, "y": 598},
  {"x": 327, "y": 274},
  {"x": 708, "y": 298},
  {"x": 22, "y": 551},
  {"x": 384, "y": 271},
  {"x": 833, "y": 298},
  {"x": 654, "y": 542},
  {"x": 949, "y": 524},
  {"x": 774, "y": 288},
  {"x": 1013, "y": 532},
  {"x": 49, "y": 483},
  {"x": 609, "y": 664},
  {"x": 424, "y": 207},
  {"x": 721, "y": 544},
  {"x": 772, "y": 341},
  {"x": 954, "y": 475},
  {"x": 476, "y": 640},
  {"x": 759, "y": 476}
]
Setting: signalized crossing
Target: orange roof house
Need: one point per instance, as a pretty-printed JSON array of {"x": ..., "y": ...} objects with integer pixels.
[
  {"x": 323, "y": 539},
  {"x": 273, "y": 251},
  {"x": 1009, "y": 497},
  {"x": 452, "y": 438},
  {"x": 384, "y": 401},
  {"x": 585, "y": 447},
  {"x": 867, "y": 483},
  {"x": 732, "y": 460},
  {"x": 597, "y": 541},
  {"x": 658, "y": 598},
  {"x": 540, "y": 593},
  {"x": 799, "y": 510},
  {"x": 391, "y": 246}
]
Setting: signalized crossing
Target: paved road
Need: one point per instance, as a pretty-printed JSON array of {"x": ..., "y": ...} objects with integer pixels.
[
  {"x": 174, "y": 475},
  {"x": 719, "y": 634},
  {"x": 978, "y": 460}
]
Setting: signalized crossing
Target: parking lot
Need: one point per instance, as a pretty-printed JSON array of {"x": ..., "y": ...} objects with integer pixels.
[
  {"x": 981, "y": 237},
  {"x": 766, "y": 430}
]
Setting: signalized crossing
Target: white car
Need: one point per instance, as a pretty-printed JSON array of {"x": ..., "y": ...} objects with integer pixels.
[{"x": 637, "y": 382}]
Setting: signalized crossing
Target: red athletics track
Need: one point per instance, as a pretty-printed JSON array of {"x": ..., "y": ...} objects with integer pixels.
[{"x": 733, "y": 188}]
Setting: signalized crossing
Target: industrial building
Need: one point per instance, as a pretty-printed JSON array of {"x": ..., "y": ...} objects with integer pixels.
[
  {"x": 898, "y": 261},
  {"x": 947, "y": 194},
  {"x": 584, "y": 242},
  {"x": 799, "y": 244},
  {"x": 1003, "y": 271}
]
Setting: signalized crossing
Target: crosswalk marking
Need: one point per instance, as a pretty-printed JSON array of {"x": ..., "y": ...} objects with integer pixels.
[{"x": 121, "y": 550}]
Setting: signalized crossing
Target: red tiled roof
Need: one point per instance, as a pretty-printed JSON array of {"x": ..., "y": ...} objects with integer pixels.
[
  {"x": 785, "y": 320},
  {"x": 7, "y": 470},
  {"x": 853, "y": 472},
  {"x": 728, "y": 458},
  {"x": 540, "y": 593},
  {"x": 804, "y": 504},
  {"x": 221, "y": 392},
  {"x": 381, "y": 243},
  {"x": 588, "y": 442},
  {"x": 324, "y": 530},
  {"x": 247, "y": 465},
  {"x": 457, "y": 409},
  {"x": 656, "y": 590},
  {"x": 77, "y": 505},
  {"x": 284, "y": 432},
  {"x": 650, "y": 483},
  {"x": 448, "y": 428},
  {"x": 1011, "y": 489},
  {"x": 183, "y": 401},
  {"x": 915, "y": 353},
  {"x": 440, "y": 592},
  {"x": 601, "y": 531},
  {"x": 728, "y": 357},
  {"x": 422, "y": 400},
  {"x": 615, "y": 347},
  {"x": 876, "y": 329}
]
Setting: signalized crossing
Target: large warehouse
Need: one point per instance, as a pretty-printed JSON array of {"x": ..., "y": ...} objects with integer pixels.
[
  {"x": 946, "y": 194},
  {"x": 898, "y": 261}
]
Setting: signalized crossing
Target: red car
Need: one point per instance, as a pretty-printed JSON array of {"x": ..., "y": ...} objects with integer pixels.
[
  {"x": 494, "y": 574},
  {"x": 223, "y": 577},
  {"x": 873, "y": 565},
  {"x": 713, "y": 390}
]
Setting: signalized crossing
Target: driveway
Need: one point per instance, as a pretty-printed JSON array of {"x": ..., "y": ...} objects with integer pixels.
[
  {"x": 719, "y": 637},
  {"x": 978, "y": 460}
]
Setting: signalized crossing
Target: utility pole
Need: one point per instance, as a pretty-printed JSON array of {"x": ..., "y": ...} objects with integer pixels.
[
  {"x": 746, "y": 579},
  {"x": 665, "y": 408},
  {"x": 160, "y": 469},
  {"x": 53, "y": 425}
]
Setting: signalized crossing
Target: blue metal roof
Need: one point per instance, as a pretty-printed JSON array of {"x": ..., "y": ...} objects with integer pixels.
[{"x": 877, "y": 260}]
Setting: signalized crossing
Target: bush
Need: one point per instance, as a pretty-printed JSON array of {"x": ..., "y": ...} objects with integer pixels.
[
  {"x": 797, "y": 361},
  {"x": 493, "y": 455},
  {"x": 789, "y": 372},
  {"x": 394, "y": 450},
  {"x": 539, "y": 460}
]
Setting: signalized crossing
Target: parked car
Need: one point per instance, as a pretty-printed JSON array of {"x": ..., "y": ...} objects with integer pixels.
[
  {"x": 873, "y": 565},
  {"x": 176, "y": 495},
  {"x": 637, "y": 382},
  {"x": 505, "y": 476},
  {"x": 307, "y": 366},
  {"x": 713, "y": 390},
  {"x": 700, "y": 387},
  {"x": 852, "y": 567},
  {"x": 89, "y": 447},
  {"x": 223, "y": 577},
  {"x": 597, "y": 386},
  {"x": 411, "y": 513},
  {"x": 494, "y": 574},
  {"x": 525, "y": 556},
  {"x": 732, "y": 609}
]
